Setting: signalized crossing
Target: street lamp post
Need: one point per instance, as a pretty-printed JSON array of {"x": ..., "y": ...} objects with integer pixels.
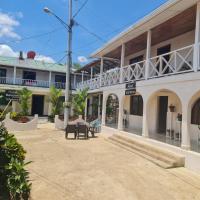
[{"x": 69, "y": 27}]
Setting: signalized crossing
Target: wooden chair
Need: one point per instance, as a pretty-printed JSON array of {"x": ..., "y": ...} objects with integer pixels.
[
  {"x": 82, "y": 131},
  {"x": 71, "y": 128}
]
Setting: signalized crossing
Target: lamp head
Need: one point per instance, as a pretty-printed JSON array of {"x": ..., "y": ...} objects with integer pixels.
[{"x": 47, "y": 10}]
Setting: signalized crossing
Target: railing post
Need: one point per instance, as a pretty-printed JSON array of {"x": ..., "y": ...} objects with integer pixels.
[
  {"x": 197, "y": 40},
  {"x": 123, "y": 49},
  {"x": 148, "y": 54},
  {"x": 14, "y": 75},
  {"x": 101, "y": 71},
  {"x": 50, "y": 79}
]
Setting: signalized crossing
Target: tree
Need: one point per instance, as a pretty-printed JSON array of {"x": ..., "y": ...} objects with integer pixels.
[
  {"x": 77, "y": 66},
  {"x": 79, "y": 102},
  {"x": 55, "y": 100},
  {"x": 24, "y": 100}
]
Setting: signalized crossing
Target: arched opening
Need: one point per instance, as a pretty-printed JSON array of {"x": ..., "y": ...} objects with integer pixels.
[
  {"x": 133, "y": 114},
  {"x": 164, "y": 114},
  {"x": 194, "y": 126},
  {"x": 112, "y": 111}
]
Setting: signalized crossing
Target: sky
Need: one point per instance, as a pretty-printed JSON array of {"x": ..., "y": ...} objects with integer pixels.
[{"x": 24, "y": 26}]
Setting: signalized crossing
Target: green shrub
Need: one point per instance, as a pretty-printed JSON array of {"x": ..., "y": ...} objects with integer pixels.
[
  {"x": 14, "y": 179},
  {"x": 24, "y": 100},
  {"x": 15, "y": 116}
]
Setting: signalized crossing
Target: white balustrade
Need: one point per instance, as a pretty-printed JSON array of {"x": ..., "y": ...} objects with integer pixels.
[
  {"x": 133, "y": 72},
  {"x": 174, "y": 62}
]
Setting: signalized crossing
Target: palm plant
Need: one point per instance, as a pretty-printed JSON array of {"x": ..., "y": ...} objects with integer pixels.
[
  {"x": 55, "y": 100},
  {"x": 79, "y": 102},
  {"x": 24, "y": 100}
]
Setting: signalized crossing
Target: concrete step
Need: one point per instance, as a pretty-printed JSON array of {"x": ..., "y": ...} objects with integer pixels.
[{"x": 156, "y": 155}]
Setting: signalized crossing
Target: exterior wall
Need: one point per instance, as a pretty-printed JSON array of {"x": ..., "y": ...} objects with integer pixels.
[
  {"x": 134, "y": 121},
  {"x": 176, "y": 43},
  {"x": 9, "y": 71}
]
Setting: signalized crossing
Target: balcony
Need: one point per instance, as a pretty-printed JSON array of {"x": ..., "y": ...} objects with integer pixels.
[
  {"x": 169, "y": 64},
  {"x": 30, "y": 83}
]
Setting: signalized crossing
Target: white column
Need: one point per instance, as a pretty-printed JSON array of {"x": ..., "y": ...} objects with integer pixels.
[
  {"x": 74, "y": 81},
  {"x": 49, "y": 108},
  {"x": 120, "y": 115},
  {"x": 104, "y": 110},
  {"x": 90, "y": 106},
  {"x": 82, "y": 76},
  {"x": 145, "y": 129},
  {"x": 14, "y": 75},
  {"x": 185, "y": 128},
  {"x": 148, "y": 54},
  {"x": 91, "y": 72},
  {"x": 86, "y": 105},
  {"x": 197, "y": 39},
  {"x": 99, "y": 104},
  {"x": 101, "y": 71},
  {"x": 123, "y": 49},
  {"x": 14, "y": 106},
  {"x": 50, "y": 79}
]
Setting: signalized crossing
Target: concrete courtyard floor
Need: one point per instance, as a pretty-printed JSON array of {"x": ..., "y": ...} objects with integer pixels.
[{"x": 98, "y": 170}]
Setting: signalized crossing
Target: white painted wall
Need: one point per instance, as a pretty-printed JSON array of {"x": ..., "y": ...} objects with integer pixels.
[{"x": 134, "y": 121}]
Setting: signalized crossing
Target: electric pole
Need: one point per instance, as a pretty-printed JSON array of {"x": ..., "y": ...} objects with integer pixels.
[{"x": 68, "y": 64}]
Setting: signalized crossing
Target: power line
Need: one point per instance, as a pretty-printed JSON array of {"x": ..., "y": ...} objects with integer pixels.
[
  {"x": 79, "y": 10},
  {"x": 92, "y": 33},
  {"x": 32, "y": 37}
]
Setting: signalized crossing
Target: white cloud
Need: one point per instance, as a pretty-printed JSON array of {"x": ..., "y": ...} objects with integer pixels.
[
  {"x": 6, "y": 50},
  {"x": 82, "y": 59},
  {"x": 7, "y": 25},
  {"x": 44, "y": 58}
]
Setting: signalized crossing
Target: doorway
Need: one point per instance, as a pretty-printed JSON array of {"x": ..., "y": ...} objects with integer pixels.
[
  {"x": 37, "y": 105},
  {"x": 161, "y": 51},
  {"x": 162, "y": 114}
]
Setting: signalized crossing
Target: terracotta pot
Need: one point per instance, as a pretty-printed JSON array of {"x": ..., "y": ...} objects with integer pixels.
[{"x": 172, "y": 108}]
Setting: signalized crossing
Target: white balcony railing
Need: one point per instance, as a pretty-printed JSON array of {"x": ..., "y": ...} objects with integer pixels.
[
  {"x": 174, "y": 62},
  {"x": 178, "y": 61},
  {"x": 133, "y": 72},
  {"x": 30, "y": 83}
]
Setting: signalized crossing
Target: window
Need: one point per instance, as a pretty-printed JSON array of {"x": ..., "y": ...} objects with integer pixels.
[
  {"x": 195, "y": 119},
  {"x": 136, "y": 59},
  {"x": 136, "y": 105},
  {"x": 60, "y": 78},
  {"x": 2, "y": 73},
  {"x": 29, "y": 75}
]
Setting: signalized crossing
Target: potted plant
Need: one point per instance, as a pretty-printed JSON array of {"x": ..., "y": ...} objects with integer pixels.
[
  {"x": 179, "y": 117},
  {"x": 56, "y": 101},
  {"x": 79, "y": 102},
  {"x": 172, "y": 108}
]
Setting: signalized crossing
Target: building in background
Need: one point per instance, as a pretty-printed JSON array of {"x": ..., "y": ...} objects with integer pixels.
[{"x": 37, "y": 76}]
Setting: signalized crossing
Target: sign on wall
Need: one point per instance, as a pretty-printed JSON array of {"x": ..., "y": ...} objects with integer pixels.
[
  {"x": 130, "y": 92},
  {"x": 11, "y": 95},
  {"x": 130, "y": 86},
  {"x": 130, "y": 89}
]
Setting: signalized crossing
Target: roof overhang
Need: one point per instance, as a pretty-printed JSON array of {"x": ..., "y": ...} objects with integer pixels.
[{"x": 157, "y": 17}]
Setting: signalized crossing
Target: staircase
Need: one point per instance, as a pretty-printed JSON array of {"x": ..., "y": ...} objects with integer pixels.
[{"x": 158, "y": 156}]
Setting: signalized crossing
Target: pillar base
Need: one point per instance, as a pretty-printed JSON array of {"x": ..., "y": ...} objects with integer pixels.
[
  {"x": 145, "y": 136},
  {"x": 185, "y": 147}
]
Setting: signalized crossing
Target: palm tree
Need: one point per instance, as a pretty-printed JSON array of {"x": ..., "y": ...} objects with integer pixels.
[
  {"x": 55, "y": 99},
  {"x": 24, "y": 100},
  {"x": 79, "y": 102}
]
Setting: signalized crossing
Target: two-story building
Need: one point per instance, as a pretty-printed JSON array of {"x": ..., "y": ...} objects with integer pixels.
[
  {"x": 148, "y": 78},
  {"x": 37, "y": 76}
]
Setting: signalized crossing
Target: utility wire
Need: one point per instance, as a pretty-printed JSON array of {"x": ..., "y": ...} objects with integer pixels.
[
  {"x": 32, "y": 37},
  {"x": 79, "y": 10},
  {"x": 92, "y": 33}
]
